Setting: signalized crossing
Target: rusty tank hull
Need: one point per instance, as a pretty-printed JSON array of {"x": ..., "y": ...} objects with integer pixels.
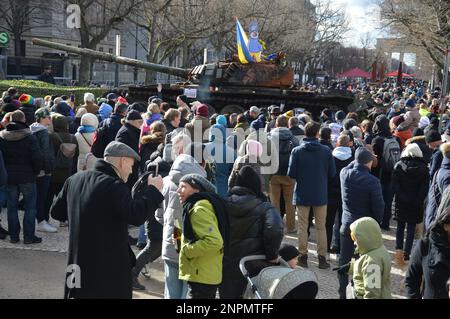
[{"x": 236, "y": 99}]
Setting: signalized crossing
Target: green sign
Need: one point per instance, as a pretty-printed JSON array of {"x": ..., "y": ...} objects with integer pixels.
[{"x": 4, "y": 39}]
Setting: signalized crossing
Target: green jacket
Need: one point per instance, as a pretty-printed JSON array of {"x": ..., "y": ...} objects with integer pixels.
[
  {"x": 372, "y": 271},
  {"x": 201, "y": 261}
]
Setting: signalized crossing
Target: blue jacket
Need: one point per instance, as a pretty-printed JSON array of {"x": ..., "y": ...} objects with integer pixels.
[
  {"x": 223, "y": 156},
  {"x": 311, "y": 165},
  {"x": 361, "y": 194},
  {"x": 437, "y": 188}
]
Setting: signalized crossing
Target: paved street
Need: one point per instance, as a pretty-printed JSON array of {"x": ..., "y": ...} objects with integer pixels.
[{"x": 37, "y": 271}]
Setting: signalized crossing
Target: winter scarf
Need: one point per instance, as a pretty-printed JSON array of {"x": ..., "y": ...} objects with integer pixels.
[{"x": 86, "y": 129}]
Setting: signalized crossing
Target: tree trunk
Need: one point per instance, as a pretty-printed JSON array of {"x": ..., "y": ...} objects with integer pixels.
[
  {"x": 17, "y": 54},
  {"x": 85, "y": 66}
]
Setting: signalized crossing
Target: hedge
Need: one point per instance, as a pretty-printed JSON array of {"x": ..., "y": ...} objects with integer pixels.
[{"x": 41, "y": 89}]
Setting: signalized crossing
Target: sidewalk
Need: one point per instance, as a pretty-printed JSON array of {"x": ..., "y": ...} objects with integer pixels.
[{"x": 47, "y": 261}]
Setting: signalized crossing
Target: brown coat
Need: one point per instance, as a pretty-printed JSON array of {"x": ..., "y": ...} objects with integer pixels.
[
  {"x": 91, "y": 107},
  {"x": 198, "y": 123}
]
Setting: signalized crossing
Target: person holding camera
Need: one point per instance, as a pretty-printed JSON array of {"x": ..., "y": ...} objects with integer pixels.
[{"x": 99, "y": 207}]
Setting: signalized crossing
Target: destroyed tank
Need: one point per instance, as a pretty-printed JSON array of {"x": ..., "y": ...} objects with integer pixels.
[{"x": 226, "y": 86}]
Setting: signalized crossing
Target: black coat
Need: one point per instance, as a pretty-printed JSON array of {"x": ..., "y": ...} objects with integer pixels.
[
  {"x": 149, "y": 145},
  {"x": 21, "y": 154},
  {"x": 334, "y": 186},
  {"x": 113, "y": 124},
  {"x": 430, "y": 262},
  {"x": 435, "y": 162},
  {"x": 381, "y": 132},
  {"x": 28, "y": 110},
  {"x": 426, "y": 151},
  {"x": 99, "y": 208},
  {"x": 47, "y": 150},
  {"x": 129, "y": 135},
  {"x": 410, "y": 181},
  {"x": 326, "y": 143},
  {"x": 256, "y": 228},
  {"x": 74, "y": 125}
]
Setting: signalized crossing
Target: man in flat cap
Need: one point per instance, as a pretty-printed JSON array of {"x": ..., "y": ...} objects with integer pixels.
[{"x": 99, "y": 206}]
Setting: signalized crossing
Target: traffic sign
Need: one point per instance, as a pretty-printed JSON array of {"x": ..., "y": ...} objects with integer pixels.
[{"x": 4, "y": 39}]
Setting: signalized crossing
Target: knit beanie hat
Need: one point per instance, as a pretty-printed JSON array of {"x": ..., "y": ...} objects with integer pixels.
[
  {"x": 248, "y": 178},
  {"x": 202, "y": 110},
  {"x": 363, "y": 156},
  {"x": 432, "y": 136},
  {"x": 133, "y": 115},
  {"x": 137, "y": 107},
  {"x": 89, "y": 120},
  {"x": 288, "y": 252},
  {"x": 41, "y": 113},
  {"x": 26, "y": 99},
  {"x": 111, "y": 97},
  {"x": 222, "y": 120},
  {"x": 198, "y": 182},
  {"x": 397, "y": 120},
  {"x": 254, "y": 148},
  {"x": 410, "y": 103},
  {"x": 418, "y": 132}
]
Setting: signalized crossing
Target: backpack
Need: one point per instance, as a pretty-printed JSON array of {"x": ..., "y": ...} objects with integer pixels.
[
  {"x": 65, "y": 154},
  {"x": 391, "y": 154},
  {"x": 284, "y": 151},
  {"x": 100, "y": 142}
]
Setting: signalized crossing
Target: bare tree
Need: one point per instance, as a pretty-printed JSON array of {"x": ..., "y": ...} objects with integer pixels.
[
  {"x": 366, "y": 42},
  {"x": 422, "y": 23},
  {"x": 98, "y": 19},
  {"x": 329, "y": 25}
]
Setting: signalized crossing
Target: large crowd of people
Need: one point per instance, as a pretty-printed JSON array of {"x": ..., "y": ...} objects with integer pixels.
[{"x": 206, "y": 189}]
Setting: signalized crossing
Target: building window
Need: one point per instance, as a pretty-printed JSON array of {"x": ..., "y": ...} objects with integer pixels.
[
  {"x": 100, "y": 49},
  {"x": 110, "y": 51}
]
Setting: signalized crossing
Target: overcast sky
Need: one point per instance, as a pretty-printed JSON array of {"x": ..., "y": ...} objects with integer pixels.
[{"x": 363, "y": 16}]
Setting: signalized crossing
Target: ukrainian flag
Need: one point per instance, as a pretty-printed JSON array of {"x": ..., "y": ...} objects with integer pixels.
[{"x": 242, "y": 44}]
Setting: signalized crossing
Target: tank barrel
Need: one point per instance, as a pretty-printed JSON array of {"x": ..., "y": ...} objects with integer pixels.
[{"x": 183, "y": 73}]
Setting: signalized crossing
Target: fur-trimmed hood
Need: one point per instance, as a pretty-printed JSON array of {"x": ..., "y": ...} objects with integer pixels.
[
  {"x": 15, "y": 131},
  {"x": 157, "y": 137},
  {"x": 416, "y": 139}
]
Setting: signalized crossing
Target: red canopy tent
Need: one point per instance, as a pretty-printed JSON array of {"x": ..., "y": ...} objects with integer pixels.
[
  {"x": 395, "y": 73},
  {"x": 354, "y": 73}
]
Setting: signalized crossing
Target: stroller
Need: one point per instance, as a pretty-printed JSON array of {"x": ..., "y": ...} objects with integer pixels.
[{"x": 278, "y": 282}]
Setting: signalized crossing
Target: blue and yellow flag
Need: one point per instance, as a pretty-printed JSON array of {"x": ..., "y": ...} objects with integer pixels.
[{"x": 242, "y": 44}]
